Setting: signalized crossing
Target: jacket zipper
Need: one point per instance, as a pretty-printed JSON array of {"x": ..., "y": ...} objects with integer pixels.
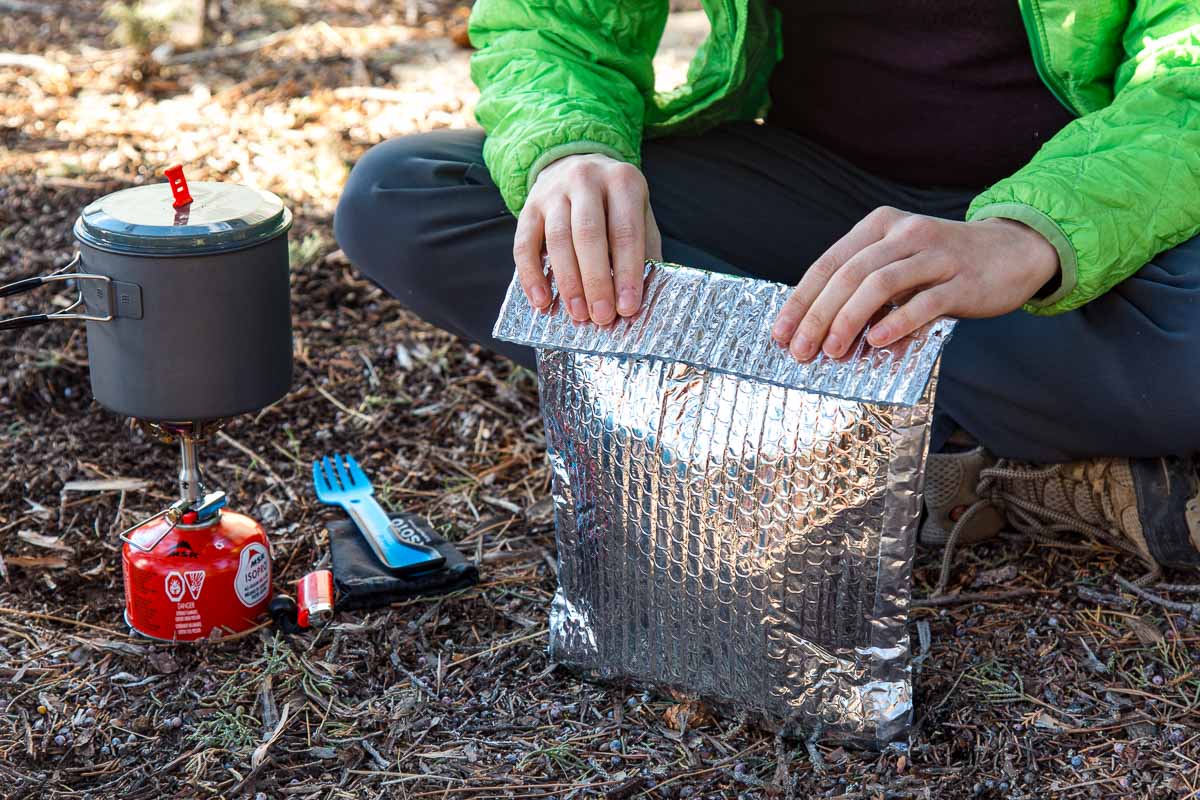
[{"x": 1028, "y": 16}]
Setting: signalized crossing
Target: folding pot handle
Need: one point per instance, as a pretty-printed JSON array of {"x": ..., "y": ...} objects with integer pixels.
[
  {"x": 23, "y": 285},
  {"x": 16, "y": 323},
  {"x": 61, "y": 274}
]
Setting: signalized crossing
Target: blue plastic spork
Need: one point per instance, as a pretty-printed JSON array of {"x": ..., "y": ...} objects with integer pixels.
[{"x": 339, "y": 481}]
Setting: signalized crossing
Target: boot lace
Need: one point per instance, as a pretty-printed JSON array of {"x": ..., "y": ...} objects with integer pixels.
[{"x": 1040, "y": 523}]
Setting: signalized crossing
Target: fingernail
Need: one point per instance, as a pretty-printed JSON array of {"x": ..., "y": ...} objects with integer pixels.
[
  {"x": 779, "y": 331},
  {"x": 801, "y": 347},
  {"x": 579, "y": 311},
  {"x": 879, "y": 334},
  {"x": 627, "y": 303},
  {"x": 541, "y": 298},
  {"x": 602, "y": 310},
  {"x": 833, "y": 345}
]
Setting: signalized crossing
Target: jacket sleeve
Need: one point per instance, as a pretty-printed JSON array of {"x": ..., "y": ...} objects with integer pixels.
[
  {"x": 1118, "y": 186},
  {"x": 559, "y": 77}
]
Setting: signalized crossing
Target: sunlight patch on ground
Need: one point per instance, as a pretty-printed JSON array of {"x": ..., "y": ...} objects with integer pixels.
[{"x": 279, "y": 126}]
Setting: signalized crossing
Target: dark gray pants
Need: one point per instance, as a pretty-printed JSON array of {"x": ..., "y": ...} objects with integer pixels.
[{"x": 1120, "y": 376}]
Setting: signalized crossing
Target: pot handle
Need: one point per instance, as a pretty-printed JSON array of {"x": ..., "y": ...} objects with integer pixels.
[
  {"x": 61, "y": 274},
  {"x": 16, "y": 323}
]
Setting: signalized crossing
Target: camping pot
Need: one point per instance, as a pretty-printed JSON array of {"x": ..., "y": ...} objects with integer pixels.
[{"x": 187, "y": 308}]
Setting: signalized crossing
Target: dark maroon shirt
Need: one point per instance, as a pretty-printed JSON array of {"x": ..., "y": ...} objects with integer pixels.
[{"x": 925, "y": 92}]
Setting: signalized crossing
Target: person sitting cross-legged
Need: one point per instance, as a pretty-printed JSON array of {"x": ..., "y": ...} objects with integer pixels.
[{"x": 1032, "y": 168}]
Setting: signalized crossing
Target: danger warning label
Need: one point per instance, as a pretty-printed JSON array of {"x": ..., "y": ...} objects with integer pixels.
[
  {"x": 187, "y": 621},
  {"x": 195, "y": 582},
  {"x": 173, "y": 584}
]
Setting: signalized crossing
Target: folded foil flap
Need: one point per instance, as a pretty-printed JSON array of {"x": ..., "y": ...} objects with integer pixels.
[{"x": 723, "y": 323}]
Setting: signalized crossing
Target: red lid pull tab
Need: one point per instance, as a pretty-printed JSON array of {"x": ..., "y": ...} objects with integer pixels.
[{"x": 179, "y": 187}]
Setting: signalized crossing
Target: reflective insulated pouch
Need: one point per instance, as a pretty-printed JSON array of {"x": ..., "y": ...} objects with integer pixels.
[{"x": 733, "y": 524}]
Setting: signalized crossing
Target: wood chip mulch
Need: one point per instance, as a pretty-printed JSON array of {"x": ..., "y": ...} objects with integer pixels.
[{"x": 1050, "y": 682}]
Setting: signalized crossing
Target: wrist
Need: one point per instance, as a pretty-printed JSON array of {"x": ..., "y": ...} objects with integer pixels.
[
  {"x": 564, "y": 161},
  {"x": 1036, "y": 255}
]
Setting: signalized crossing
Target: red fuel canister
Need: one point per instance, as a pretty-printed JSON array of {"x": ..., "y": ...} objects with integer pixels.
[{"x": 210, "y": 576}]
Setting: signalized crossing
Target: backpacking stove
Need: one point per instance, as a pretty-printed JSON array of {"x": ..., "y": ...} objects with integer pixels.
[
  {"x": 194, "y": 569},
  {"x": 185, "y": 293}
]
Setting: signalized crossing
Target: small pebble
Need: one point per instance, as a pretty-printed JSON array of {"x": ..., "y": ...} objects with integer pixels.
[
  {"x": 176, "y": 722},
  {"x": 60, "y": 740},
  {"x": 1077, "y": 761},
  {"x": 615, "y": 745}
]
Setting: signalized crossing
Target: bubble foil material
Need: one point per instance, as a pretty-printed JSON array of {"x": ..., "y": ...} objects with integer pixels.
[{"x": 732, "y": 524}]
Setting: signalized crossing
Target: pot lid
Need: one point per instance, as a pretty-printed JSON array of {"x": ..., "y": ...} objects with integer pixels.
[{"x": 219, "y": 218}]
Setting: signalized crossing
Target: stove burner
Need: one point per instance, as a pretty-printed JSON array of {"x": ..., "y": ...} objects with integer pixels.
[{"x": 194, "y": 571}]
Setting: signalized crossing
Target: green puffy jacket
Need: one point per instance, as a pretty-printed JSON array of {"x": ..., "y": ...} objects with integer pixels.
[{"x": 1115, "y": 187}]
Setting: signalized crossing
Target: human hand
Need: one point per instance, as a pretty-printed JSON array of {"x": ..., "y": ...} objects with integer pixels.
[
  {"x": 932, "y": 267},
  {"x": 593, "y": 214}
]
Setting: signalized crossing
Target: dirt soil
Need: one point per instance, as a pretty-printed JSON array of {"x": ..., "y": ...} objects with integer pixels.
[{"x": 1051, "y": 683}]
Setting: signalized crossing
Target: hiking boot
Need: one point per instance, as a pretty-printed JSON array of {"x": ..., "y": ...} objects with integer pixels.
[
  {"x": 951, "y": 491},
  {"x": 1148, "y": 507}
]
